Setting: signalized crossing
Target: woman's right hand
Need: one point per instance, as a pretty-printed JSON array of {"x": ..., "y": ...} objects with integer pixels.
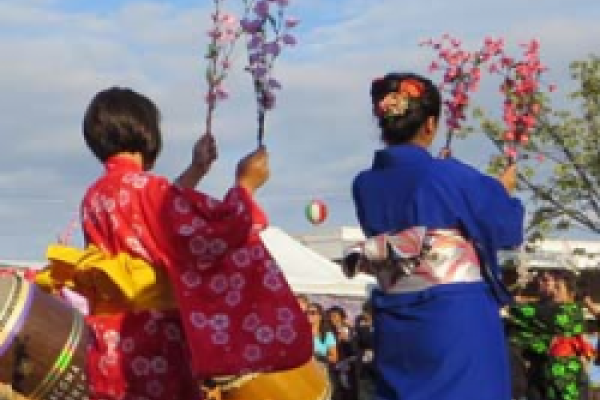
[
  {"x": 253, "y": 170},
  {"x": 508, "y": 178}
]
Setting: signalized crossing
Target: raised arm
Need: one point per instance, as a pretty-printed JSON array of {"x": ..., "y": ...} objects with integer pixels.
[{"x": 204, "y": 154}]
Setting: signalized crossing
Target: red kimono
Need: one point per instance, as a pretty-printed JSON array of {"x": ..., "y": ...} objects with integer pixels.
[{"x": 235, "y": 308}]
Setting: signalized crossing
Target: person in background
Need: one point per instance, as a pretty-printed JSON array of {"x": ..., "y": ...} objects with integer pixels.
[
  {"x": 325, "y": 346},
  {"x": 547, "y": 286},
  {"x": 344, "y": 372},
  {"x": 554, "y": 331},
  {"x": 364, "y": 344},
  {"x": 593, "y": 309},
  {"x": 303, "y": 301},
  {"x": 526, "y": 365}
]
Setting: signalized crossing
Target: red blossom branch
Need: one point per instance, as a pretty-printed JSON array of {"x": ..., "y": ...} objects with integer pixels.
[{"x": 521, "y": 89}]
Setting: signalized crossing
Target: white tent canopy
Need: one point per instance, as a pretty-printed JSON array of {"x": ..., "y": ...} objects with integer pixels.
[{"x": 309, "y": 272}]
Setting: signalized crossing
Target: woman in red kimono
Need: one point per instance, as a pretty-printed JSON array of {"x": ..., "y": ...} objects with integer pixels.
[{"x": 187, "y": 290}]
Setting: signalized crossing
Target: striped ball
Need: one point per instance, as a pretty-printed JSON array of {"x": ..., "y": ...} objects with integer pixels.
[{"x": 316, "y": 212}]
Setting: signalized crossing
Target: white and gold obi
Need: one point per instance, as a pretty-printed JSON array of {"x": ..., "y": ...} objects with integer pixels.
[{"x": 415, "y": 259}]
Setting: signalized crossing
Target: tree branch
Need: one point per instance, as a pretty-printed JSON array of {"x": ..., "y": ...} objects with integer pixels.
[
  {"x": 543, "y": 195},
  {"x": 594, "y": 195}
]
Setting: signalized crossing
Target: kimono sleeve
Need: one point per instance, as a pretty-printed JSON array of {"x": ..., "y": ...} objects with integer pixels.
[
  {"x": 498, "y": 215},
  {"x": 202, "y": 229},
  {"x": 457, "y": 195}
]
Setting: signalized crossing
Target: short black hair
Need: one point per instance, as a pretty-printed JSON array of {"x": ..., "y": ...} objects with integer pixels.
[
  {"x": 402, "y": 128},
  {"x": 121, "y": 120}
]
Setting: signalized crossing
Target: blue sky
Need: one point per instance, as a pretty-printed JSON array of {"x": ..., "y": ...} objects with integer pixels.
[{"x": 57, "y": 53}]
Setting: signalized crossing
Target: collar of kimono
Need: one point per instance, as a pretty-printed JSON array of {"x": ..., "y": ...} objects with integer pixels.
[
  {"x": 400, "y": 154},
  {"x": 122, "y": 162}
]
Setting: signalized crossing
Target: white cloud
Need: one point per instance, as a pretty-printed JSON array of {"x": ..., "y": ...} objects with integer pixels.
[{"x": 319, "y": 136}]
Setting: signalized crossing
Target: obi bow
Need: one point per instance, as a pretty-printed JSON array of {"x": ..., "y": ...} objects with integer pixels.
[{"x": 366, "y": 255}]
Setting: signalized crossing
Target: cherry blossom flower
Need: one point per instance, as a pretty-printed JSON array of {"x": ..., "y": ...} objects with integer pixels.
[
  {"x": 191, "y": 278},
  {"x": 233, "y": 298},
  {"x": 461, "y": 74},
  {"x": 140, "y": 366},
  {"x": 128, "y": 345},
  {"x": 251, "y": 322},
  {"x": 520, "y": 88},
  {"x": 218, "y": 283},
  {"x": 265, "y": 334},
  {"x": 159, "y": 365},
  {"x": 252, "y": 353},
  {"x": 198, "y": 320},
  {"x": 286, "y": 334},
  {"x": 172, "y": 332}
]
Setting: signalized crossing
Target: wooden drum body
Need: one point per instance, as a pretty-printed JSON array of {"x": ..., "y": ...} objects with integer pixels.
[
  {"x": 308, "y": 382},
  {"x": 42, "y": 343}
]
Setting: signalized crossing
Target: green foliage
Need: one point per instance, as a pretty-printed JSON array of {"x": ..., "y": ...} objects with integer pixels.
[{"x": 560, "y": 169}]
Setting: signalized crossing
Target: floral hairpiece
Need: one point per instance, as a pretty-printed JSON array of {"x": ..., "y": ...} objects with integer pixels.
[{"x": 395, "y": 104}]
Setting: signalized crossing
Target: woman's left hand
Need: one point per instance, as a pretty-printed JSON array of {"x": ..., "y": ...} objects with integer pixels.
[{"x": 445, "y": 152}]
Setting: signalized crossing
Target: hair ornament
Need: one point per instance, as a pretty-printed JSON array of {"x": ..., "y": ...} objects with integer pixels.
[{"x": 395, "y": 104}]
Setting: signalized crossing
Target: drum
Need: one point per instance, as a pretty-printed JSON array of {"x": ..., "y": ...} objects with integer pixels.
[
  {"x": 308, "y": 382},
  {"x": 42, "y": 343}
]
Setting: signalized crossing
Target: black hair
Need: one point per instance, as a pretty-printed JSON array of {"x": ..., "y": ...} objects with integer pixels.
[
  {"x": 324, "y": 325},
  {"x": 337, "y": 309},
  {"x": 121, "y": 120},
  {"x": 403, "y": 128},
  {"x": 302, "y": 297},
  {"x": 568, "y": 277}
]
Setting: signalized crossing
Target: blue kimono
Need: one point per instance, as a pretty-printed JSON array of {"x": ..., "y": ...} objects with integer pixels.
[{"x": 446, "y": 342}]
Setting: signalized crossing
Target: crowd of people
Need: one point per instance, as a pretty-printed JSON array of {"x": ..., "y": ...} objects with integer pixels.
[
  {"x": 344, "y": 347},
  {"x": 552, "y": 334}
]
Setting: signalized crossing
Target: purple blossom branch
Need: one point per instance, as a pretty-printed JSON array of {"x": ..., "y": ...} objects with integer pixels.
[{"x": 267, "y": 33}]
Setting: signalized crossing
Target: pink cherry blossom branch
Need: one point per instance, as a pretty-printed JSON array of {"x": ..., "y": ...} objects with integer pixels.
[
  {"x": 521, "y": 88},
  {"x": 462, "y": 74},
  {"x": 224, "y": 33},
  {"x": 520, "y": 85}
]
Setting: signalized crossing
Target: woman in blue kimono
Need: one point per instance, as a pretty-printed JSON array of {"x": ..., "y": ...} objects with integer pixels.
[{"x": 442, "y": 340}]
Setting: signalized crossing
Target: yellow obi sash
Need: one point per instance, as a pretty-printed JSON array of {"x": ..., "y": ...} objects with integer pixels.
[{"x": 111, "y": 284}]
